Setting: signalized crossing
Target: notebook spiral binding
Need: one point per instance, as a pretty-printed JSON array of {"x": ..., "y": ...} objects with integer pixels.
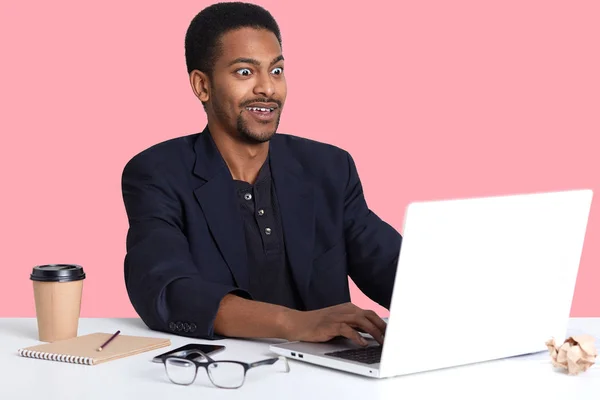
[{"x": 55, "y": 357}]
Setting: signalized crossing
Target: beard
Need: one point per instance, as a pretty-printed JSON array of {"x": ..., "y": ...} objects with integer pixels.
[
  {"x": 242, "y": 129},
  {"x": 253, "y": 136}
]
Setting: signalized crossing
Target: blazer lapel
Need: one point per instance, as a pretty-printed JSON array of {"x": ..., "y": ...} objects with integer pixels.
[
  {"x": 219, "y": 204},
  {"x": 296, "y": 203}
]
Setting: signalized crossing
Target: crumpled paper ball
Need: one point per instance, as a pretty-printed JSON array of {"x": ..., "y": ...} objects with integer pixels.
[{"x": 576, "y": 354}]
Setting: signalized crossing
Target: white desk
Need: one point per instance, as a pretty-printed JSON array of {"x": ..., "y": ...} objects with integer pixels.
[{"x": 136, "y": 377}]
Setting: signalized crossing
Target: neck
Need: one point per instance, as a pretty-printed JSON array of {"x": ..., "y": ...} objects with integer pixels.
[{"x": 244, "y": 160}]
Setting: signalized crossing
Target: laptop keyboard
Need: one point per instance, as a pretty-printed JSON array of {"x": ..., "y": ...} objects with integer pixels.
[{"x": 366, "y": 355}]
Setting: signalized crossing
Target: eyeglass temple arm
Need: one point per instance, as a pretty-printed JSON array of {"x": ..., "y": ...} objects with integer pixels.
[
  {"x": 271, "y": 361},
  {"x": 203, "y": 354}
]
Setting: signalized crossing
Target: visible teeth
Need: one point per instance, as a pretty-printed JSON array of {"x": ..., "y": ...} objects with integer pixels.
[{"x": 259, "y": 109}]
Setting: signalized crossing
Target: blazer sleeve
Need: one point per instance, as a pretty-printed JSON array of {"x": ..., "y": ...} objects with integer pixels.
[
  {"x": 161, "y": 278},
  {"x": 373, "y": 246}
]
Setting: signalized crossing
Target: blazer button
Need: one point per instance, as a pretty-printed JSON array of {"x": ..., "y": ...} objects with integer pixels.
[
  {"x": 186, "y": 327},
  {"x": 179, "y": 326},
  {"x": 172, "y": 326},
  {"x": 192, "y": 327}
]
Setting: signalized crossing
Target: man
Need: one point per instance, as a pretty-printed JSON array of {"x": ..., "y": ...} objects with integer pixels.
[{"x": 241, "y": 232}]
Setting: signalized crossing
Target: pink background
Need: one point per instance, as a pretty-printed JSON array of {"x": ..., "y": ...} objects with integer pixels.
[{"x": 434, "y": 99}]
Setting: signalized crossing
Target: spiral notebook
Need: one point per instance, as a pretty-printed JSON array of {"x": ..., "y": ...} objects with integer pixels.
[{"x": 83, "y": 349}]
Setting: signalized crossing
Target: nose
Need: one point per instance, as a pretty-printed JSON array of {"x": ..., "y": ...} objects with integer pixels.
[{"x": 264, "y": 86}]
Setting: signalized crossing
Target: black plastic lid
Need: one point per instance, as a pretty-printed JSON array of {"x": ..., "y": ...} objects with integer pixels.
[{"x": 57, "y": 273}]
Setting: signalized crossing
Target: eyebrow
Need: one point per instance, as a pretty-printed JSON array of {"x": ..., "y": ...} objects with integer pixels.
[{"x": 244, "y": 60}]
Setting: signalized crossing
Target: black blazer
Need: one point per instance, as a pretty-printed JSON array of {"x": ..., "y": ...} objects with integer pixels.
[{"x": 186, "y": 246}]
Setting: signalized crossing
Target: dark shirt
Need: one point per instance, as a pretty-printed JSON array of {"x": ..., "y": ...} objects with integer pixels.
[{"x": 269, "y": 271}]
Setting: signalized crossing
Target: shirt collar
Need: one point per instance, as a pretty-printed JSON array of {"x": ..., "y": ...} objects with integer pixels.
[{"x": 264, "y": 175}]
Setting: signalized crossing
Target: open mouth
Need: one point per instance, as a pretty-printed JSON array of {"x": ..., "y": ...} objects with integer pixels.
[
  {"x": 262, "y": 113},
  {"x": 261, "y": 109}
]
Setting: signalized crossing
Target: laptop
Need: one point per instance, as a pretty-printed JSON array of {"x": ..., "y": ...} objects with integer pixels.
[{"x": 478, "y": 279}]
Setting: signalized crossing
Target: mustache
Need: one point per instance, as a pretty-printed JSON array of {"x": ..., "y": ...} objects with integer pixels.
[{"x": 261, "y": 100}]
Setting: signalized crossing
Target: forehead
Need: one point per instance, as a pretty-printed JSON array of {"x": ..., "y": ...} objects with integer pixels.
[{"x": 259, "y": 44}]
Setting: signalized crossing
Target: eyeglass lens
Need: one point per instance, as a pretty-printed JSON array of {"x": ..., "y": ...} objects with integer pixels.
[
  {"x": 226, "y": 374},
  {"x": 180, "y": 371},
  {"x": 222, "y": 374}
]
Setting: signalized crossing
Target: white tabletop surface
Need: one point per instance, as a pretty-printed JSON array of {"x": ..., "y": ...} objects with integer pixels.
[{"x": 136, "y": 377}]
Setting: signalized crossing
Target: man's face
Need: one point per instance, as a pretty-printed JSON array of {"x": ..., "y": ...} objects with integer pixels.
[{"x": 248, "y": 87}]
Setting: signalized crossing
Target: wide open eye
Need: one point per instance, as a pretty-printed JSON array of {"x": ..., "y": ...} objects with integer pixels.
[{"x": 244, "y": 71}]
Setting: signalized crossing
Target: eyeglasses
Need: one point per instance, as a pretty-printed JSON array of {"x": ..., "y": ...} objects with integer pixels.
[{"x": 226, "y": 374}]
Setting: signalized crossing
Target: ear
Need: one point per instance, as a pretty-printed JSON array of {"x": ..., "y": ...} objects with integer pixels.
[{"x": 200, "y": 85}]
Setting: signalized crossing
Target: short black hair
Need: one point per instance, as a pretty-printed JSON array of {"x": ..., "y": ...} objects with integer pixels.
[{"x": 202, "y": 40}]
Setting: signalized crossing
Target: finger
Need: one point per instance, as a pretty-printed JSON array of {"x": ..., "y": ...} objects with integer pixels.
[
  {"x": 372, "y": 315},
  {"x": 363, "y": 323},
  {"x": 376, "y": 319},
  {"x": 346, "y": 331}
]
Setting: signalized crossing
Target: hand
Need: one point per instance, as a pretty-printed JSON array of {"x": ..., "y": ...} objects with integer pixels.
[{"x": 341, "y": 320}]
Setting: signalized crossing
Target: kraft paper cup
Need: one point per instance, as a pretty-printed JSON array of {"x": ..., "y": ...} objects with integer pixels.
[{"x": 57, "y": 289}]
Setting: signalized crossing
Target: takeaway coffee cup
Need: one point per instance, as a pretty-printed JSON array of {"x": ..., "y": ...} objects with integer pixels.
[{"x": 57, "y": 289}]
